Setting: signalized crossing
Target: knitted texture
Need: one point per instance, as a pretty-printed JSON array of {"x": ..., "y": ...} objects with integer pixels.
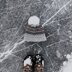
[
  {"x": 34, "y": 38},
  {"x": 34, "y": 30},
  {"x": 34, "y": 34}
]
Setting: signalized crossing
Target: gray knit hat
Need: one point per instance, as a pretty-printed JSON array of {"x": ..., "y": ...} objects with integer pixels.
[{"x": 34, "y": 33}]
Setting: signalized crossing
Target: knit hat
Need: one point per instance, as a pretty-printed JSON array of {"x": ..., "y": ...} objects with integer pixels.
[{"x": 34, "y": 32}]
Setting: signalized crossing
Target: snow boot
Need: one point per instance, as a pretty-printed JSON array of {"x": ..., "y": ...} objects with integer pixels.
[
  {"x": 39, "y": 64},
  {"x": 28, "y": 64}
]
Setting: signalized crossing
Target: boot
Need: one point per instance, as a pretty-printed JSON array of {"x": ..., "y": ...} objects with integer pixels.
[
  {"x": 39, "y": 64},
  {"x": 28, "y": 64}
]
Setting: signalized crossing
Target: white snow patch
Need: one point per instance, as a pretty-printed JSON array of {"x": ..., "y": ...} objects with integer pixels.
[
  {"x": 67, "y": 65},
  {"x": 28, "y": 61},
  {"x": 64, "y": 63},
  {"x": 68, "y": 56}
]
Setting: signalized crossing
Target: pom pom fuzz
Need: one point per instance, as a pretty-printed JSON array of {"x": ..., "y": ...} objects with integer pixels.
[{"x": 34, "y": 21}]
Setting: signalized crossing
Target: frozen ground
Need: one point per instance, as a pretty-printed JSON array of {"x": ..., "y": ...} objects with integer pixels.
[{"x": 56, "y": 17}]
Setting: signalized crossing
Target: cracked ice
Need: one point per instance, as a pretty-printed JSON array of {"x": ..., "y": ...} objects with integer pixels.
[{"x": 56, "y": 17}]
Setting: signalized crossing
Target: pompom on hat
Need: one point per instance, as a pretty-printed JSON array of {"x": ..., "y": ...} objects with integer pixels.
[{"x": 34, "y": 21}]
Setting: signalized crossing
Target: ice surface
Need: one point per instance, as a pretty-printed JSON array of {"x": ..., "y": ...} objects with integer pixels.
[{"x": 56, "y": 18}]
